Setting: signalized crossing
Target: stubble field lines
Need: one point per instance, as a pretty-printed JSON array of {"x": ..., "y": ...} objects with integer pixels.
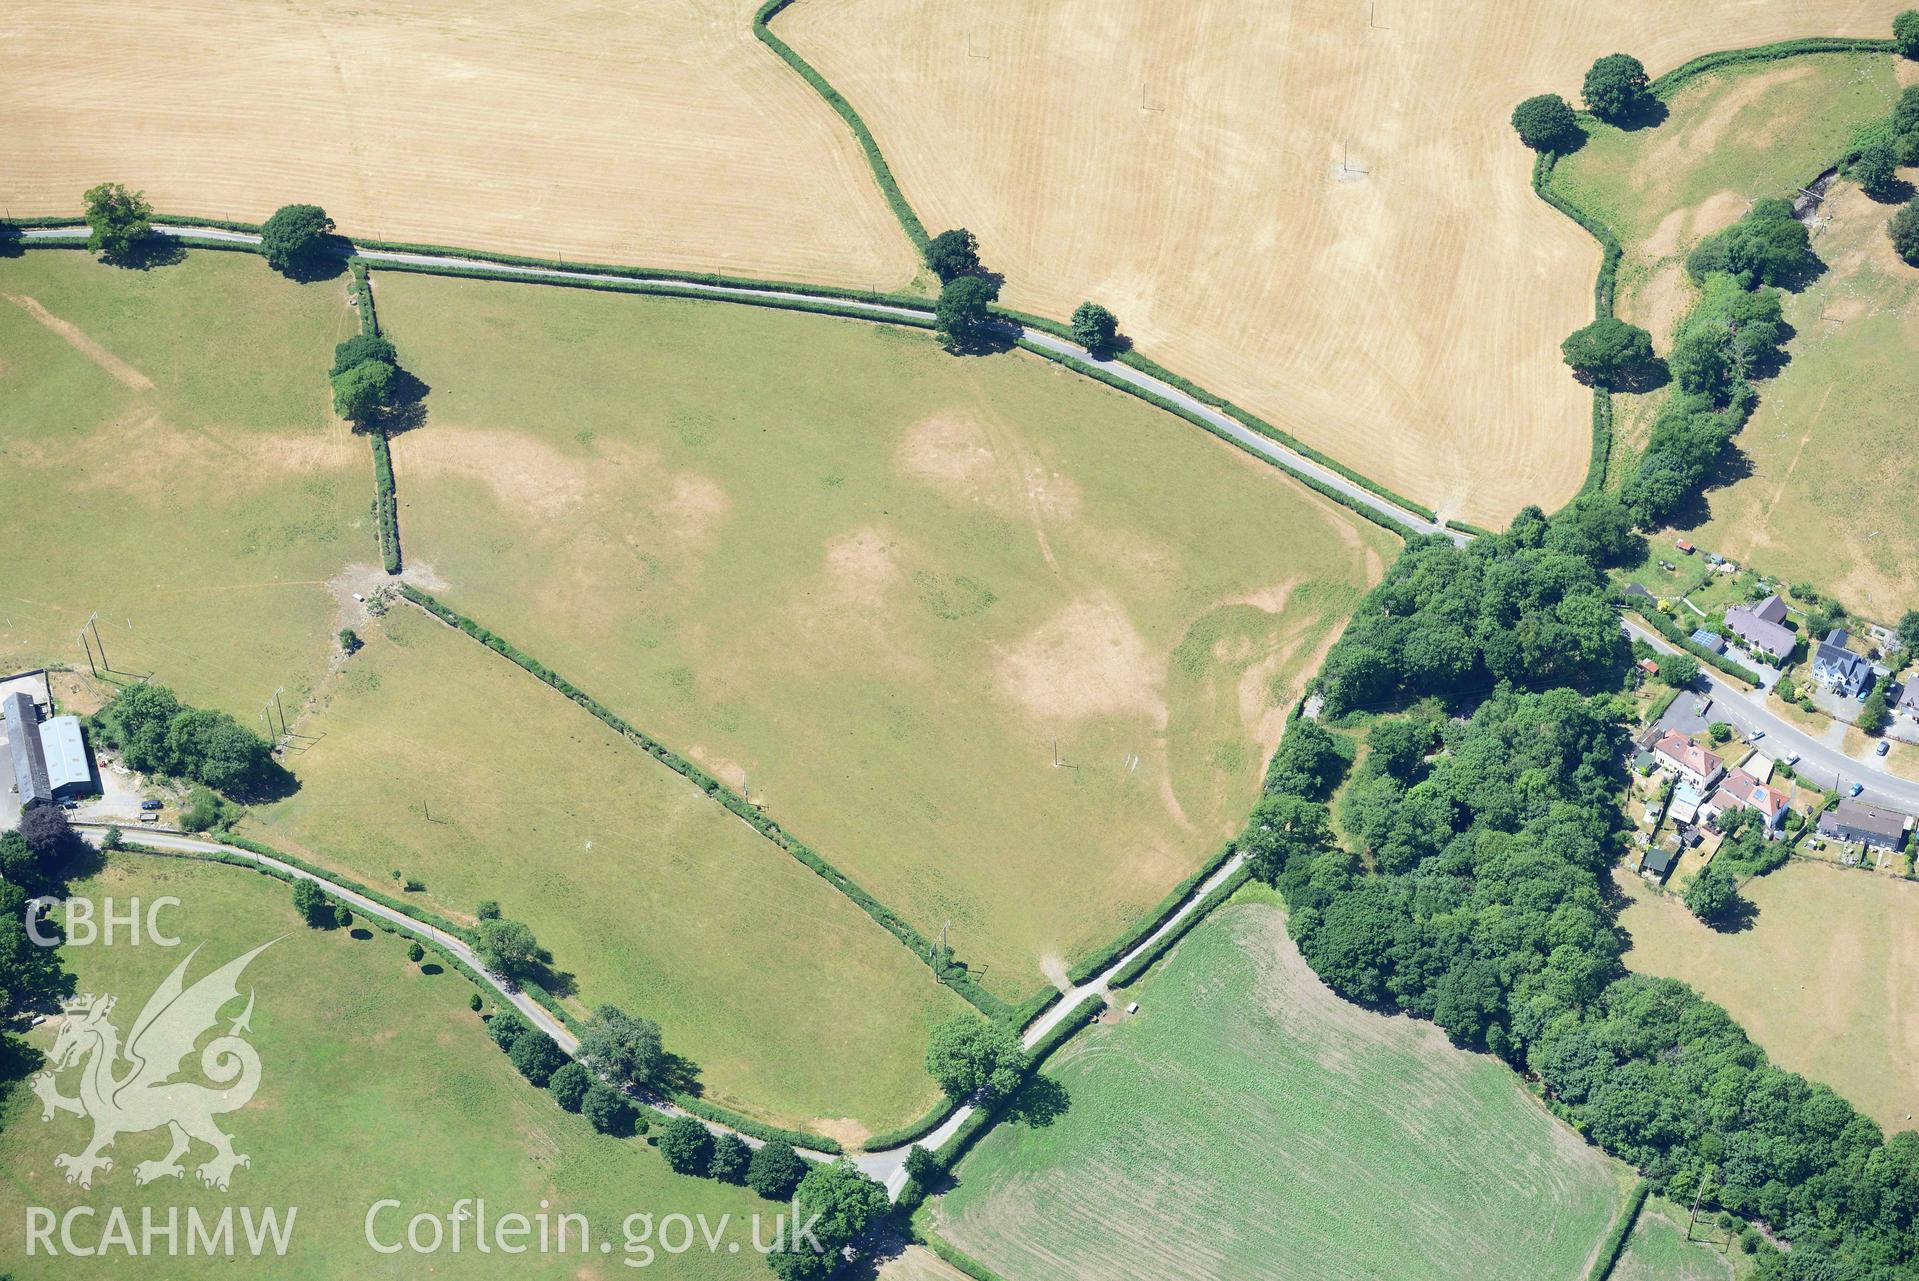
[
  {"x": 1320, "y": 214},
  {"x": 665, "y": 135}
]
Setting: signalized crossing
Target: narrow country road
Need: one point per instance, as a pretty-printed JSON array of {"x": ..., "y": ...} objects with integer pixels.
[
  {"x": 1274, "y": 452},
  {"x": 1818, "y": 763},
  {"x": 888, "y": 1167}
]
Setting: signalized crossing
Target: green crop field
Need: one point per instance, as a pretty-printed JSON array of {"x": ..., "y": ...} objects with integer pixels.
[
  {"x": 440, "y": 759},
  {"x": 1825, "y": 980},
  {"x": 169, "y": 458},
  {"x": 376, "y": 1082},
  {"x": 1247, "y": 1122},
  {"x": 1849, "y": 389},
  {"x": 877, "y": 585},
  {"x": 1659, "y": 1251}
]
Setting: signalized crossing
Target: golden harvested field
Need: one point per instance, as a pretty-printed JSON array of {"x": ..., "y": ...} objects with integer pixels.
[
  {"x": 656, "y": 134},
  {"x": 1826, "y": 980},
  {"x": 1325, "y": 219}
]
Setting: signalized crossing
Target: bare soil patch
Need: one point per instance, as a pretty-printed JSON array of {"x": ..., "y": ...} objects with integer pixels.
[{"x": 1088, "y": 660}]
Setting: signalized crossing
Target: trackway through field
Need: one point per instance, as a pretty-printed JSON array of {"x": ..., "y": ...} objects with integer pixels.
[
  {"x": 888, "y": 1167},
  {"x": 1272, "y": 451}
]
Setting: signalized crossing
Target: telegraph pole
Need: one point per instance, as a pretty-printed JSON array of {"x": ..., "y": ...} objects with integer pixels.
[{"x": 93, "y": 624}]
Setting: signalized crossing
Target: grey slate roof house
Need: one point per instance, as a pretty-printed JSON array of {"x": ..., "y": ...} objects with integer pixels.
[
  {"x": 1763, "y": 626},
  {"x": 1908, "y": 703},
  {"x": 1838, "y": 668},
  {"x": 23, "y": 744},
  {"x": 1854, "y": 820}
]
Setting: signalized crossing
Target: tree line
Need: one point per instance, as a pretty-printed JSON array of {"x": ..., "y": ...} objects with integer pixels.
[{"x": 1475, "y": 895}]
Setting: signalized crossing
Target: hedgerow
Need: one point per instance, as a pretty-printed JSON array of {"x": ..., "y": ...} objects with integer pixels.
[
  {"x": 660, "y": 287},
  {"x": 886, "y": 1140},
  {"x": 386, "y": 503},
  {"x": 1682, "y": 638},
  {"x": 1615, "y": 1243},
  {"x": 1146, "y": 365},
  {"x": 758, "y": 1129},
  {"x": 882, "y": 174},
  {"x": 1175, "y": 899},
  {"x": 1130, "y": 973},
  {"x": 954, "y": 975},
  {"x": 1320, "y": 487}
]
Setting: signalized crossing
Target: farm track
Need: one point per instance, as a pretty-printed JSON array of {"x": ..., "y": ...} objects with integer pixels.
[
  {"x": 1072, "y": 354},
  {"x": 887, "y": 1167}
]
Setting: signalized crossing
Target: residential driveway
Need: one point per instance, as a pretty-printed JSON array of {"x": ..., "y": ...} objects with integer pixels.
[{"x": 1820, "y": 763}]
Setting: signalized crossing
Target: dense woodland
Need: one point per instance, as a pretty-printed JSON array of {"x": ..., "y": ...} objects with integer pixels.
[{"x": 1482, "y": 826}]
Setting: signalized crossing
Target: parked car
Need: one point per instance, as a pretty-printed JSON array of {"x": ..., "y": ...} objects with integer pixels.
[
  {"x": 151, "y": 805},
  {"x": 1755, "y": 736},
  {"x": 1883, "y": 747},
  {"x": 1792, "y": 758},
  {"x": 1855, "y": 789}
]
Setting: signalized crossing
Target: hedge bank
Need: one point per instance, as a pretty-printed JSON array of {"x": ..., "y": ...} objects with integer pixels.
[
  {"x": 699, "y": 1107},
  {"x": 1146, "y": 365},
  {"x": 1320, "y": 487},
  {"x": 954, "y": 976},
  {"x": 1128, "y": 974},
  {"x": 882, "y": 173},
  {"x": 1615, "y": 1243},
  {"x": 1175, "y": 899}
]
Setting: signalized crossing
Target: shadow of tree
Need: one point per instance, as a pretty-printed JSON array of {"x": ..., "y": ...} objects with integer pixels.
[
  {"x": 156, "y": 250},
  {"x": 1039, "y": 1103}
]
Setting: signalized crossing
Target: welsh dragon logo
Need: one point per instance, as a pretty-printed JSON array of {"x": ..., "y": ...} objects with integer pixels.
[{"x": 131, "y": 1090}]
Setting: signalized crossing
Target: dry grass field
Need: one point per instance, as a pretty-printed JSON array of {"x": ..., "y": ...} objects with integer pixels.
[
  {"x": 1250, "y": 1123},
  {"x": 1827, "y": 978},
  {"x": 1826, "y": 493},
  {"x": 169, "y": 458},
  {"x": 656, "y": 134},
  {"x": 1848, "y": 390},
  {"x": 875, "y": 585},
  {"x": 441, "y": 759},
  {"x": 1317, "y": 211}
]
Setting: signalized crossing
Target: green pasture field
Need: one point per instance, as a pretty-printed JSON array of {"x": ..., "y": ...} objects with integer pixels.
[
  {"x": 1659, "y": 1251},
  {"x": 377, "y": 1081},
  {"x": 1247, "y": 1122},
  {"x": 1735, "y": 135},
  {"x": 445, "y": 762},
  {"x": 169, "y": 458},
  {"x": 875, "y": 584},
  {"x": 1824, "y": 980},
  {"x": 1818, "y": 494},
  {"x": 1829, "y": 467}
]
